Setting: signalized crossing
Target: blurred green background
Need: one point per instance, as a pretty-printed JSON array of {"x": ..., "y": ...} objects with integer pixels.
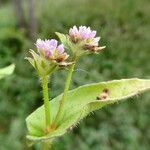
[{"x": 124, "y": 27}]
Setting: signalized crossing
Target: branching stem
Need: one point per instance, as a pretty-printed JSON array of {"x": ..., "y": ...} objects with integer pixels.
[{"x": 62, "y": 101}]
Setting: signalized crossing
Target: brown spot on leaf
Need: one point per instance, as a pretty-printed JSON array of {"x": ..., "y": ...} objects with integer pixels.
[
  {"x": 98, "y": 98},
  {"x": 103, "y": 95},
  {"x": 106, "y": 90}
]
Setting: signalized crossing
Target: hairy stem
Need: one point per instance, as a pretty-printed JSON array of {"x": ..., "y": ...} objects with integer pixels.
[
  {"x": 46, "y": 146},
  {"x": 46, "y": 101},
  {"x": 62, "y": 101}
]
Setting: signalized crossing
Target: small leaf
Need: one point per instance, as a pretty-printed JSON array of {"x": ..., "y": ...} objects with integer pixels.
[
  {"x": 7, "y": 71},
  {"x": 42, "y": 65},
  {"x": 64, "y": 39},
  {"x": 61, "y": 36},
  {"x": 80, "y": 102},
  {"x": 31, "y": 61}
]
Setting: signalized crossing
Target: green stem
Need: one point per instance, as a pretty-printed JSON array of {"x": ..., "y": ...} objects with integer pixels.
[
  {"x": 45, "y": 146},
  {"x": 62, "y": 101},
  {"x": 46, "y": 101},
  {"x": 52, "y": 69}
]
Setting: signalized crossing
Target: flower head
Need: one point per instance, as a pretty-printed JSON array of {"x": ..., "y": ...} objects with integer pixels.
[
  {"x": 51, "y": 50},
  {"x": 50, "y": 55},
  {"x": 86, "y": 36}
]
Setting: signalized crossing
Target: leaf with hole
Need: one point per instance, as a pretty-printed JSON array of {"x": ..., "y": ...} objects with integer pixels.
[{"x": 80, "y": 102}]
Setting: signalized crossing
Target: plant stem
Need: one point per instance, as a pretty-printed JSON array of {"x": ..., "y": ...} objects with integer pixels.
[
  {"x": 46, "y": 101},
  {"x": 62, "y": 101},
  {"x": 46, "y": 146},
  {"x": 52, "y": 69}
]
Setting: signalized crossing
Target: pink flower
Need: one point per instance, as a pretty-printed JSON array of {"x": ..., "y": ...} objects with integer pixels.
[
  {"x": 87, "y": 36},
  {"x": 51, "y": 50},
  {"x": 83, "y": 33}
]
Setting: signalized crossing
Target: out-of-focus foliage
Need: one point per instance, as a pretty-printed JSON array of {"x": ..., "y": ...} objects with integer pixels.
[
  {"x": 6, "y": 71},
  {"x": 124, "y": 28}
]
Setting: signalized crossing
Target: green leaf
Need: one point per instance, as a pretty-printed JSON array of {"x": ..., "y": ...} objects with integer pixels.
[
  {"x": 64, "y": 39},
  {"x": 41, "y": 64},
  {"x": 7, "y": 71},
  {"x": 80, "y": 102}
]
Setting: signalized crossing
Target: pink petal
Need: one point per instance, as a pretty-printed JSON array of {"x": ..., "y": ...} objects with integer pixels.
[{"x": 60, "y": 48}]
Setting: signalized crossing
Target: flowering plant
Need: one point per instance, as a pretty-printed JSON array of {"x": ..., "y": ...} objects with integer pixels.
[{"x": 63, "y": 113}]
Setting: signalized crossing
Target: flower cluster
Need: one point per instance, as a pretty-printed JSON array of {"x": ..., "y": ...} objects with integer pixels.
[
  {"x": 51, "y": 50},
  {"x": 50, "y": 54},
  {"x": 87, "y": 36}
]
